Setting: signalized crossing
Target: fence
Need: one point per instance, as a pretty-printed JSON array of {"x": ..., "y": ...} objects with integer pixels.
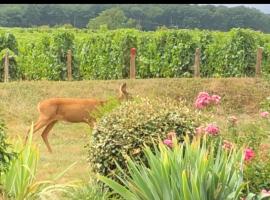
[{"x": 132, "y": 74}]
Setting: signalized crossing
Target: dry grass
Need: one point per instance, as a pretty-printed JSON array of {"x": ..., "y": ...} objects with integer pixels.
[{"x": 19, "y": 99}]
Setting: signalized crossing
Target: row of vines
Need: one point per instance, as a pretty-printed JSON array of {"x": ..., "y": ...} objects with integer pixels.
[{"x": 37, "y": 54}]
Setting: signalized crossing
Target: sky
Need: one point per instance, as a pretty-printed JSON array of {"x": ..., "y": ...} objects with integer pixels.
[{"x": 262, "y": 7}]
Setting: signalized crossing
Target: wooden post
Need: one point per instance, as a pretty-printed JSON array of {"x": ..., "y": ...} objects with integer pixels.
[
  {"x": 69, "y": 62},
  {"x": 197, "y": 62},
  {"x": 259, "y": 62},
  {"x": 132, "y": 63},
  {"x": 6, "y": 67}
]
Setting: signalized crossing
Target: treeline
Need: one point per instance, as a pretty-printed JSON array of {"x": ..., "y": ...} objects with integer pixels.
[
  {"x": 140, "y": 16},
  {"x": 41, "y": 53}
]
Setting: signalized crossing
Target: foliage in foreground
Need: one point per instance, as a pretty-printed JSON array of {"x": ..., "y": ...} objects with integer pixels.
[
  {"x": 6, "y": 153},
  {"x": 193, "y": 170},
  {"x": 18, "y": 182}
]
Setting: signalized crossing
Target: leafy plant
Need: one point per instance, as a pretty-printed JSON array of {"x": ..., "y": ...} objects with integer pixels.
[
  {"x": 192, "y": 170},
  {"x": 19, "y": 180},
  {"x": 127, "y": 128},
  {"x": 6, "y": 152}
]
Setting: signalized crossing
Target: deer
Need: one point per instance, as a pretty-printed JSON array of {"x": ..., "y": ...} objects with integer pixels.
[{"x": 73, "y": 110}]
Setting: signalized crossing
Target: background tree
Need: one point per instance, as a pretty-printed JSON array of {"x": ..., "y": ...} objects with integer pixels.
[{"x": 114, "y": 18}]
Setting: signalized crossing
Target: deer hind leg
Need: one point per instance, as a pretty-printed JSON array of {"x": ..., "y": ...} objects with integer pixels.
[
  {"x": 38, "y": 125},
  {"x": 45, "y": 133}
]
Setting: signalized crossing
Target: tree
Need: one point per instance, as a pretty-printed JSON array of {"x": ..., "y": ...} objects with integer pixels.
[{"x": 114, "y": 18}]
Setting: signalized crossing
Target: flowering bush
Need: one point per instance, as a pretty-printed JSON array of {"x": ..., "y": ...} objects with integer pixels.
[
  {"x": 204, "y": 99},
  {"x": 129, "y": 127}
]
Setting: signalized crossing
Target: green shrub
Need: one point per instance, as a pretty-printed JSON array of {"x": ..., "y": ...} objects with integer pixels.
[
  {"x": 6, "y": 152},
  {"x": 126, "y": 129},
  {"x": 194, "y": 171}
]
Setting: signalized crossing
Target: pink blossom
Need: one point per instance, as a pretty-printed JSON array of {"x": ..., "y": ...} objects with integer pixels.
[
  {"x": 212, "y": 129},
  {"x": 203, "y": 99},
  {"x": 265, "y": 193},
  {"x": 249, "y": 154},
  {"x": 264, "y": 114},
  {"x": 168, "y": 142},
  {"x": 215, "y": 99}
]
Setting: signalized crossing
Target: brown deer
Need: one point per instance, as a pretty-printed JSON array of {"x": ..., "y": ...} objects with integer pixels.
[{"x": 69, "y": 110}]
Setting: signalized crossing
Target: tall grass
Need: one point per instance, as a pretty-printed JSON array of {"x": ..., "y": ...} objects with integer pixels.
[
  {"x": 19, "y": 182},
  {"x": 193, "y": 171}
]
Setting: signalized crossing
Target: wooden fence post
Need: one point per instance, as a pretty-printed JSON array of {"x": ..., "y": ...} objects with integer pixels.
[
  {"x": 69, "y": 62},
  {"x": 197, "y": 62},
  {"x": 259, "y": 62},
  {"x": 6, "y": 67},
  {"x": 132, "y": 63}
]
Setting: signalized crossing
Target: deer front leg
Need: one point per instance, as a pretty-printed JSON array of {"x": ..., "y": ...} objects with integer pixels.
[{"x": 45, "y": 134}]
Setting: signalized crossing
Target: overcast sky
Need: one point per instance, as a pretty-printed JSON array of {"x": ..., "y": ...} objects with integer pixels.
[{"x": 262, "y": 7}]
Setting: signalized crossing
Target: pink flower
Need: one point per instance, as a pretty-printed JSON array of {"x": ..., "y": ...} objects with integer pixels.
[
  {"x": 203, "y": 99},
  {"x": 168, "y": 142},
  {"x": 265, "y": 192},
  {"x": 212, "y": 129},
  {"x": 215, "y": 99},
  {"x": 264, "y": 114},
  {"x": 249, "y": 154}
]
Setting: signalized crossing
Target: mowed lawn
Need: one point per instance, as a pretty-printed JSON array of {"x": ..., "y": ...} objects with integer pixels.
[{"x": 18, "y": 107}]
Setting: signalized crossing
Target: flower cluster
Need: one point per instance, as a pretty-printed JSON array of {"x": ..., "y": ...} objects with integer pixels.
[
  {"x": 249, "y": 154},
  {"x": 264, "y": 114},
  {"x": 204, "y": 99},
  {"x": 169, "y": 140},
  {"x": 211, "y": 129}
]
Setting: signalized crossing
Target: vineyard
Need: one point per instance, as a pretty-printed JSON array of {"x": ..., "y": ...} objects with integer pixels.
[{"x": 40, "y": 53}]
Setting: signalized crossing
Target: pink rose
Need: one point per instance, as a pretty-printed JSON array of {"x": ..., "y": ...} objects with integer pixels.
[
  {"x": 264, "y": 114},
  {"x": 212, "y": 129},
  {"x": 249, "y": 154},
  {"x": 168, "y": 142}
]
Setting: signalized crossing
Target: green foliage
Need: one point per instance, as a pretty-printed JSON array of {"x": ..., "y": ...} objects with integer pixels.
[
  {"x": 127, "y": 128},
  {"x": 265, "y": 104},
  {"x": 253, "y": 135},
  {"x": 114, "y": 18},
  {"x": 9, "y": 43},
  {"x": 6, "y": 152},
  {"x": 105, "y": 54},
  {"x": 193, "y": 170},
  {"x": 88, "y": 191},
  {"x": 18, "y": 181}
]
